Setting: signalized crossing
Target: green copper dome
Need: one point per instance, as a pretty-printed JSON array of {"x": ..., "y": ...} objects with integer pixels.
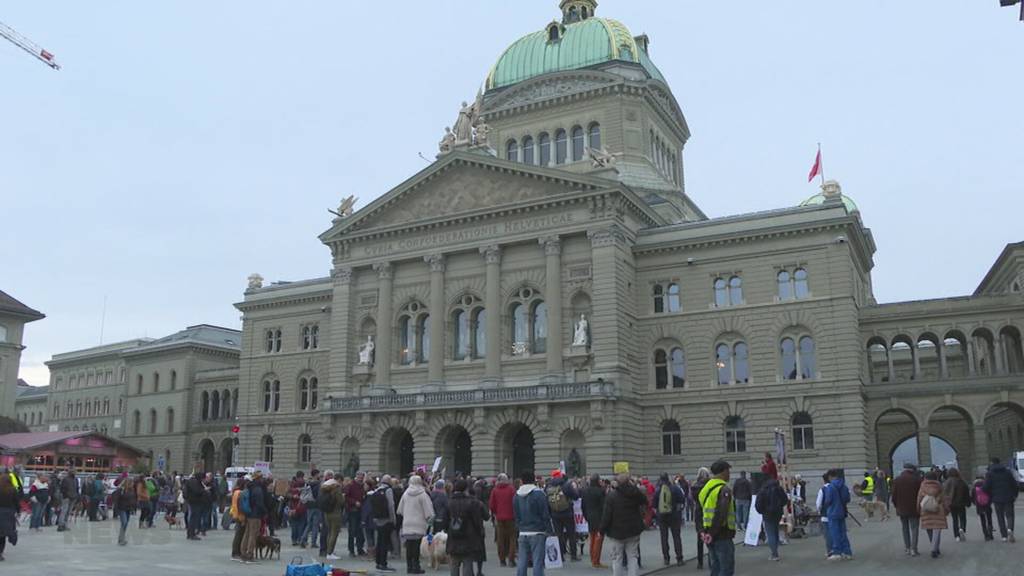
[
  {"x": 578, "y": 45},
  {"x": 820, "y": 198}
]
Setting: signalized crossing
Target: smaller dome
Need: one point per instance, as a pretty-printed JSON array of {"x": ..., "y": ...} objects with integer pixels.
[{"x": 831, "y": 192}]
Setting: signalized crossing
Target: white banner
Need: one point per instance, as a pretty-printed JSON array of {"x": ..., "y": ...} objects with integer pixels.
[
  {"x": 753, "y": 525},
  {"x": 552, "y": 553},
  {"x": 581, "y": 521}
]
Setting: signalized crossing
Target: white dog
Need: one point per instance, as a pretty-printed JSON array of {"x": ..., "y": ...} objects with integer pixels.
[{"x": 435, "y": 550}]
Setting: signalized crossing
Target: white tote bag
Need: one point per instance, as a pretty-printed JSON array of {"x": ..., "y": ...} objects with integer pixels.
[{"x": 552, "y": 553}]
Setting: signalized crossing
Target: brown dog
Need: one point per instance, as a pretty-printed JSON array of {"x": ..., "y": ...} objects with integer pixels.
[
  {"x": 267, "y": 546},
  {"x": 872, "y": 507}
]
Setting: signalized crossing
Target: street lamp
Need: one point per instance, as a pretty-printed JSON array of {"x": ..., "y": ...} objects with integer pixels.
[{"x": 1006, "y": 3}]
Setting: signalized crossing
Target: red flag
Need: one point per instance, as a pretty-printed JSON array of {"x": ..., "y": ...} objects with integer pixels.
[
  {"x": 816, "y": 169},
  {"x": 46, "y": 55}
]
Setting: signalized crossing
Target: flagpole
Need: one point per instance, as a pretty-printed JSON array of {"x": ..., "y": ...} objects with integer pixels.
[{"x": 821, "y": 167}]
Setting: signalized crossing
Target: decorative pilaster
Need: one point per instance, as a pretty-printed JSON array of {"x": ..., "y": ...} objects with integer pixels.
[
  {"x": 339, "y": 358},
  {"x": 553, "y": 295},
  {"x": 384, "y": 328},
  {"x": 971, "y": 370},
  {"x": 981, "y": 455},
  {"x": 435, "y": 364},
  {"x": 492, "y": 303},
  {"x": 611, "y": 303},
  {"x": 924, "y": 447}
]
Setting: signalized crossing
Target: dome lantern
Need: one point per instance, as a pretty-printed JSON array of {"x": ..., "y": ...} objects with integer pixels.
[{"x": 577, "y": 10}]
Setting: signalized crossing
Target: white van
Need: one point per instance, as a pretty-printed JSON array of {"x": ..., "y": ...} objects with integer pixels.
[{"x": 236, "y": 472}]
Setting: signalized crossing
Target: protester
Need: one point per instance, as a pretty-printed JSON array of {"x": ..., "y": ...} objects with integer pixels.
[
  {"x": 768, "y": 467},
  {"x": 194, "y": 493},
  {"x": 502, "y": 510},
  {"x": 69, "y": 497},
  {"x": 560, "y": 497},
  {"x": 622, "y": 523},
  {"x": 823, "y": 515},
  {"x": 466, "y": 526},
  {"x": 254, "y": 506},
  {"x": 439, "y": 498},
  {"x": 958, "y": 496},
  {"x": 238, "y": 516},
  {"x": 355, "y": 494},
  {"x": 383, "y": 509},
  {"x": 933, "y": 508},
  {"x": 719, "y": 519},
  {"x": 1002, "y": 488},
  {"x": 39, "y": 496},
  {"x": 124, "y": 501},
  {"x": 835, "y": 502},
  {"x": 882, "y": 491},
  {"x": 533, "y": 517},
  {"x": 10, "y": 506},
  {"x": 669, "y": 505},
  {"x": 314, "y": 516},
  {"x": 983, "y": 507},
  {"x": 904, "y": 497},
  {"x": 593, "y": 508},
  {"x": 742, "y": 492},
  {"x": 366, "y": 516},
  {"x": 703, "y": 475},
  {"x": 331, "y": 502},
  {"x": 771, "y": 503},
  {"x": 416, "y": 510}
]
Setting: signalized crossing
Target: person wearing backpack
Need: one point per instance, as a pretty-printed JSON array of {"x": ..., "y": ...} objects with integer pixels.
[
  {"x": 983, "y": 506},
  {"x": 668, "y": 500},
  {"x": 253, "y": 505},
  {"x": 933, "y": 509},
  {"x": 561, "y": 495},
  {"x": 124, "y": 501},
  {"x": 1002, "y": 490},
  {"x": 465, "y": 529},
  {"x": 314, "y": 517},
  {"x": 771, "y": 503},
  {"x": 238, "y": 516},
  {"x": 382, "y": 503},
  {"x": 958, "y": 495},
  {"x": 904, "y": 497}
]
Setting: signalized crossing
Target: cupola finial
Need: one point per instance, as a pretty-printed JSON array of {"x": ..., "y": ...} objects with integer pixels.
[{"x": 577, "y": 10}]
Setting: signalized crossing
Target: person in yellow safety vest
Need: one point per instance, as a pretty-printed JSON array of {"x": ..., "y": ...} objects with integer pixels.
[
  {"x": 867, "y": 489},
  {"x": 719, "y": 520}
]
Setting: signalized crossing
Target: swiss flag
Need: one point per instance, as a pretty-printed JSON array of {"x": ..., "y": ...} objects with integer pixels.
[
  {"x": 46, "y": 55},
  {"x": 816, "y": 169}
]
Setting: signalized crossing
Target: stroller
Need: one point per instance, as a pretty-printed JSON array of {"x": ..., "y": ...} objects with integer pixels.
[{"x": 806, "y": 521}]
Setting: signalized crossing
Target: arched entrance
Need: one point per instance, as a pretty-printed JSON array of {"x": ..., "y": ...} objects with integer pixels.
[
  {"x": 455, "y": 446},
  {"x": 573, "y": 452},
  {"x": 954, "y": 426},
  {"x": 206, "y": 455},
  {"x": 516, "y": 449},
  {"x": 906, "y": 452},
  {"x": 892, "y": 428},
  {"x": 227, "y": 447},
  {"x": 397, "y": 452}
]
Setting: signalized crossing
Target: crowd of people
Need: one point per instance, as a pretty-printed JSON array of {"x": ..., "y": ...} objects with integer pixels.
[{"x": 386, "y": 518}]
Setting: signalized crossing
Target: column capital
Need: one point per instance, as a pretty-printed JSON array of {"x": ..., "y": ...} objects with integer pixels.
[
  {"x": 552, "y": 244},
  {"x": 383, "y": 270},
  {"x": 436, "y": 261},
  {"x": 492, "y": 253},
  {"x": 342, "y": 275},
  {"x": 611, "y": 236}
]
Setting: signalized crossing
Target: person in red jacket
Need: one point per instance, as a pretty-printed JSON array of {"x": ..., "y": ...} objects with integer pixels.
[
  {"x": 501, "y": 505},
  {"x": 768, "y": 467}
]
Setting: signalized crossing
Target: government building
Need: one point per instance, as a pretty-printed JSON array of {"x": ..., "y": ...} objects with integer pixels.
[{"x": 548, "y": 291}]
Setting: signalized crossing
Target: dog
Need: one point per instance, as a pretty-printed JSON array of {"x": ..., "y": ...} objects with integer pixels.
[
  {"x": 434, "y": 551},
  {"x": 267, "y": 546},
  {"x": 172, "y": 522},
  {"x": 870, "y": 507}
]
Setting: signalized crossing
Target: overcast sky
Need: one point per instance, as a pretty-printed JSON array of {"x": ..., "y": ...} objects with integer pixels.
[{"x": 187, "y": 145}]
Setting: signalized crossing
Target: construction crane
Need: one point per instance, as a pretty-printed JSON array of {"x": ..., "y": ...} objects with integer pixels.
[{"x": 28, "y": 46}]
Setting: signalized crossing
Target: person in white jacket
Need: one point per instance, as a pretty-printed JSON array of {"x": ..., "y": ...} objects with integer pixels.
[
  {"x": 416, "y": 510},
  {"x": 824, "y": 517}
]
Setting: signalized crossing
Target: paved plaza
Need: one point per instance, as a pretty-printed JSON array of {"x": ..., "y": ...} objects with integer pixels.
[{"x": 90, "y": 549}]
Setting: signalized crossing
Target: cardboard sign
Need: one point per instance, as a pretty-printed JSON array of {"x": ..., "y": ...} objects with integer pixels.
[
  {"x": 620, "y": 467},
  {"x": 261, "y": 467},
  {"x": 753, "y": 524},
  {"x": 437, "y": 465}
]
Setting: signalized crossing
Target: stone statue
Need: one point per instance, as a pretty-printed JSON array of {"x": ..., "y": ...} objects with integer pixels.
[
  {"x": 255, "y": 281},
  {"x": 464, "y": 125},
  {"x": 482, "y": 130},
  {"x": 601, "y": 158},
  {"x": 448, "y": 141},
  {"x": 352, "y": 466},
  {"x": 581, "y": 337},
  {"x": 574, "y": 464},
  {"x": 366, "y": 352}
]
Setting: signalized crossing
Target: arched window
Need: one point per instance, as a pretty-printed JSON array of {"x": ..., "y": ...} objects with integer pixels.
[
  {"x": 674, "y": 304},
  {"x": 170, "y": 420},
  {"x": 267, "y": 448},
  {"x": 788, "y": 356},
  {"x": 307, "y": 340},
  {"x": 732, "y": 363},
  {"x": 735, "y": 434},
  {"x": 577, "y": 144},
  {"x": 544, "y": 142},
  {"x": 735, "y": 291},
  {"x": 138, "y": 384},
  {"x": 152, "y": 421},
  {"x": 678, "y": 361},
  {"x": 528, "y": 150},
  {"x": 271, "y": 395},
  {"x": 460, "y": 325},
  {"x": 529, "y": 316},
  {"x": 314, "y": 393},
  {"x": 406, "y": 340},
  {"x": 741, "y": 362},
  {"x": 803, "y": 431},
  {"x": 215, "y": 405},
  {"x": 424, "y": 334},
  {"x": 308, "y": 393},
  {"x": 660, "y": 369},
  {"x": 721, "y": 293},
  {"x": 512, "y": 151},
  {"x": 671, "y": 439},
  {"x": 800, "y": 283},
  {"x": 479, "y": 330},
  {"x": 595, "y": 136},
  {"x": 174, "y": 379},
  {"x": 785, "y": 285},
  {"x": 659, "y": 299},
  {"x": 305, "y": 449},
  {"x": 878, "y": 361},
  {"x": 561, "y": 146},
  {"x": 539, "y": 320},
  {"x": 414, "y": 334},
  {"x": 808, "y": 358},
  {"x": 553, "y": 33},
  {"x": 723, "y": 364},
  {"x": 314, "y": 336}
]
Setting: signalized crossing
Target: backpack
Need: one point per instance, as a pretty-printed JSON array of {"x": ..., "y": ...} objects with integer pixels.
[
  {"x": 306, "y": 494},
  {"x": 379, "y": 504},
  {"x": 665, "y": 500},
  {"x": 244, "y": 504},
  {"x": 326, "y": 502},
  {"x": 981, "y": 498},
  {"x": 556, "y": 499},
  {"x": 930, "y": 504},
  {"x": 457, "y": 527}
]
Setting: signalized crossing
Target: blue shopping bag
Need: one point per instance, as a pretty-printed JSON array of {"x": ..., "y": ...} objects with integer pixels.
[{"x": 297, "y": 568}]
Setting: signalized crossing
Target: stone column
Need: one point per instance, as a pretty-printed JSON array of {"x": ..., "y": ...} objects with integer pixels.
[
  {"x": 382, "y": 350},
  {"x": 969, "y": 345},
  {"x": 924, "y": 447},
  {"x": 338, "y": 363},
  {"x": 888, "y": 359},
  {"x": 917, "y": 362},
  {"x": 435, "y": 364},
  {"x": 492, "y": 303},
  {"x": 553, "y": 295},
  {"x": 998, "y": 350},
  {"x": 981, "y": 455},
  {"x": 943, "y": 366}
]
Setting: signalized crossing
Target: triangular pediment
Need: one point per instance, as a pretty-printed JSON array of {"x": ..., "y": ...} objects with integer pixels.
[{"x": 463, "y": 183}]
